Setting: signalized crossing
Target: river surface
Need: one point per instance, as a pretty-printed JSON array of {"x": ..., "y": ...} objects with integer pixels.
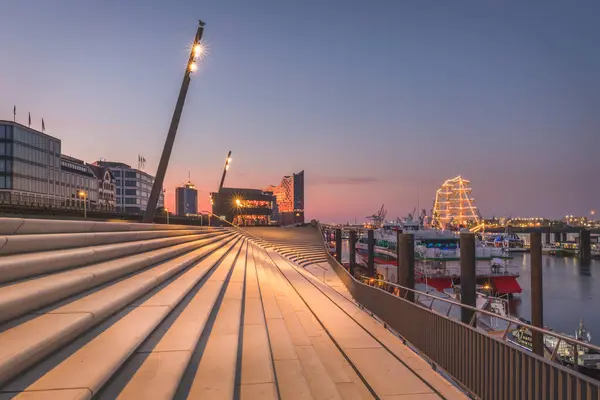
[{"x": 571, "y": 292}]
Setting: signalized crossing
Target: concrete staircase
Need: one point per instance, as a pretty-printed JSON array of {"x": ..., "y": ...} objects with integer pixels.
[
  {"x": 302, "y": 245},
  {"x": 132, "y": 311}
]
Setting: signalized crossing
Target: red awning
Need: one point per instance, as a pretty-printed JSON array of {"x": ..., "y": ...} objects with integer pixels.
[
  {"x": 438, "y": 284},
  {"x": 506, "y": 284}
]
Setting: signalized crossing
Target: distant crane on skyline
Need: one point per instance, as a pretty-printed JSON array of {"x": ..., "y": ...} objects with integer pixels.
[{"x": 379, "y": 217}]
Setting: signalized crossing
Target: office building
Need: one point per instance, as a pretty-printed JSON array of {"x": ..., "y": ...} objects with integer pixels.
[
  {"x": 34, "y": 174},
  {"x": 78, "y": 184},
  {"x": 243, "y": 206},
  {"x": 290, "y": 199},
  {"x": 132, "y": 187},
  {"x": 186, "y": 200}
]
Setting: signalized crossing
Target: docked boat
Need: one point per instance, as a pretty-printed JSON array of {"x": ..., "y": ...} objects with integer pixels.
[
  {"x": 565, "y": 249},
  {"x": 595, "y": 251},
  {"x": 485, "y": 300},
  {"x": 509, "y": 242},
  {"x": 437, "y": 258},
  {"x": 588, "y": 361},
  {"x": 549, "y": 249}
]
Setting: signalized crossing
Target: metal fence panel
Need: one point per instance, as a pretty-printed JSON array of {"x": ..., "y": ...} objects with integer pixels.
[{"x": 485, "y": 366}]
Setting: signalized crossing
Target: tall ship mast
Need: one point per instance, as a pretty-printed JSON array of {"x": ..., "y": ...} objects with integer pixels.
[{"x": 454, "y": 205}]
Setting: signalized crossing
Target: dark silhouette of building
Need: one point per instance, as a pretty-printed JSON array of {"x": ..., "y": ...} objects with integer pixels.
[
  {"x": 186, "y": 200},
  {"x": 243, "y": 206}
]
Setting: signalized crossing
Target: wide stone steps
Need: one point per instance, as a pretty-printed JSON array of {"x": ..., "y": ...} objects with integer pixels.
[
  {"x": 215, "y": 317},
  {"x": 300, "y": 245}
]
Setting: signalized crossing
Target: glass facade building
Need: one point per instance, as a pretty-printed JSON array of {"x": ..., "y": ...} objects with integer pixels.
[
  {"x": 29, "y": 161},
  {"x": 34, "y": 173},
  {"x": 30, "y": 169},
  {"x": 186, "y": 200},
  {"x": 290, "y": 199}
]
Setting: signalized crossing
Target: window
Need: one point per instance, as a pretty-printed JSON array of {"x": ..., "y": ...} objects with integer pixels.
[
  {"x": 130, "y": 192},
  {"x": 129, "y": 174},
  {"x": 117, "y": 173},
  {"x": 2, "y": 149},
  {"x": 2, "y": 131},
  {"x": 129, "y": 201}
]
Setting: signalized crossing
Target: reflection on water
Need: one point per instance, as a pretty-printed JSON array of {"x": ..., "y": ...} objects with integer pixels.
[{"x": 571, "y": 292}]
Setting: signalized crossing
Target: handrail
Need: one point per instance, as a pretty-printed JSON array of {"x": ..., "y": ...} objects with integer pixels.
[{"x": 509, "y": 320}]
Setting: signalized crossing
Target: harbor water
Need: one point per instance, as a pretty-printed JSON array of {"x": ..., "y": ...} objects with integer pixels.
[{"x": 571, "y": 292}]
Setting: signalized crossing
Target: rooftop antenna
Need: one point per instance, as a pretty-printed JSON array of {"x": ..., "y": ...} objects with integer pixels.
[
  {"x": 189, "y": 176},
  {"x": 227, "y": 162}
]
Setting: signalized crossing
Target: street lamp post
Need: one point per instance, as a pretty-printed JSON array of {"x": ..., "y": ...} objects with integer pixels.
[
  {"x": 167, "y": 212},
  {"x": 195, "y": 52},
  {"x": 83, "y": 195}
]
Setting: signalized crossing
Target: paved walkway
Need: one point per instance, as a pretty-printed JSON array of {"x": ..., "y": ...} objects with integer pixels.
[{"x": 124, "y": 313}]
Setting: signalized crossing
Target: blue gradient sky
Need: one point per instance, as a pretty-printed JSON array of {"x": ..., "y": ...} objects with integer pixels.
[{"x": 375, "y": 100}]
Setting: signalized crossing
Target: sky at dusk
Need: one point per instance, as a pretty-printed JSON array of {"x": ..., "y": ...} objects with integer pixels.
[{"x": 378, "y": 101}]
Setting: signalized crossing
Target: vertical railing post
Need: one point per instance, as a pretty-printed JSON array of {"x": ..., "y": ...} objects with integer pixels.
[
  {"x": 564, "y": 237},
  {"x": 398, "y": 255},
  {"x": 468, "y": 275},
  {"x": 338, "y": 245},
  {"x": 537, "y": 304},
  {"x": 406, "y": 265},
  {"x": 585, "y": 247},
  {"x": 556, "y": 237},
  {"x": 371, "y": 252},
  {"x": 352, "y": 251},
  {"x": 547, "y": 241}
]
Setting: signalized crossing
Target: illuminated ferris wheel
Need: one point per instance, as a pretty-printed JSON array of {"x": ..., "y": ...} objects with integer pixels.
[{"x": 454, "y": 204}]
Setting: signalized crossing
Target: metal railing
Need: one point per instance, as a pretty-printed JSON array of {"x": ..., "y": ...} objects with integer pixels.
[
  {"x": 486, "y": 366},
  {"x": 452, "y": 303}
]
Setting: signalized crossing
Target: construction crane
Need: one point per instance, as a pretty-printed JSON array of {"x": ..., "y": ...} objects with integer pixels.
[
  {"x": 227, "y": 162},
  {"x": 379, "y": 217}
]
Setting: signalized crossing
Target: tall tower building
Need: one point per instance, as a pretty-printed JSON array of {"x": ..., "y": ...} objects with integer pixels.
[
  {"x": 186, "y": 199},
  {"x": 290, "y": 199}
]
